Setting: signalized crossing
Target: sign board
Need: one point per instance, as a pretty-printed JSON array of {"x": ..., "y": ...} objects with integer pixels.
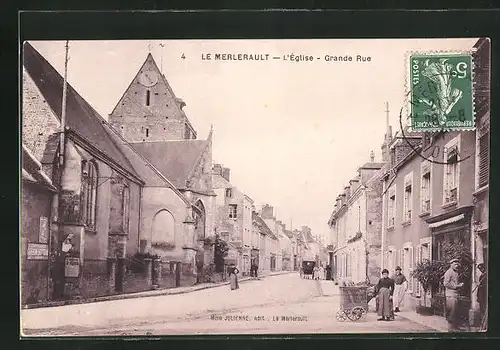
[
  {"x": 37, "y": 251},
  {"x": 43, "y": 234},
  {"x": 72, "y": 267}
]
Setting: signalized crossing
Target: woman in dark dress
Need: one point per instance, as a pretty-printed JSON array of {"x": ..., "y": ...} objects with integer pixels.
[
  {"x": 384, "y": 291},
  {"x": 233, "y": 277}
]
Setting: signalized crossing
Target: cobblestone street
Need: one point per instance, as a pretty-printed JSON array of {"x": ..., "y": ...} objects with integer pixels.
[{"x": 256, "y": 308}]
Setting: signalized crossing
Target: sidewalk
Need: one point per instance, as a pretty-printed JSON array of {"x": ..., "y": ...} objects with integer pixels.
[
  {"x": 437, "y": 322},
  {"x": 149, "y": 293}
]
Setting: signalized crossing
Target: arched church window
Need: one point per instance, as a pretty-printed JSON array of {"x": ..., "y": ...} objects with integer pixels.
[
  {"x": 89, "y": 194},
  {"x": 163, "y": 230}
]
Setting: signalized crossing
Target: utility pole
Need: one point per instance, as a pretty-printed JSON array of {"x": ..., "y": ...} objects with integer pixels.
[{"x": 63, "y": 110}]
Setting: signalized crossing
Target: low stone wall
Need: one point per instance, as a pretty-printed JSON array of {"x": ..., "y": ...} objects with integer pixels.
[{"x": 95, "y": 279}]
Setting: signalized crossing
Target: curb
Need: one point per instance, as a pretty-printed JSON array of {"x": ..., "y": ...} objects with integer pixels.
[{"x": 144, "y": 294}]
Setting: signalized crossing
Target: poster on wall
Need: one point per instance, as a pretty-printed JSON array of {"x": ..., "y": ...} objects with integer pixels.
[
  {"x": 37, "y": 251},
  {"x": 43, "y": 234}
]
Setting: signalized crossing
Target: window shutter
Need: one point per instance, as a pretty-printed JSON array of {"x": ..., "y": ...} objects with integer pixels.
[
  {"x": 484, "y": 158},
  {"x": 410, "y": 270}
]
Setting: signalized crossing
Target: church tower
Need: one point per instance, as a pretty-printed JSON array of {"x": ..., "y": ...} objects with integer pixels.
[{"x": 149, "y": 111}]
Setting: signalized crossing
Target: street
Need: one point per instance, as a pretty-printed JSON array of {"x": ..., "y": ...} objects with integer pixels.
[{"x": 282, "y": 304}]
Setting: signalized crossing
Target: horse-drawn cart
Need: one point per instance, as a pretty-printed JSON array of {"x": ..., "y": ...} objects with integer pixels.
[{"x": 307, "y": 269}]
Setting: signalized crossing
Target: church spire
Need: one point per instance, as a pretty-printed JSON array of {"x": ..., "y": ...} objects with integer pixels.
[{"x": 388, "y": 135}]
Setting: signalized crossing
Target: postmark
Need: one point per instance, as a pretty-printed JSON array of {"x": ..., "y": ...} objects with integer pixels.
[{"x": 440, "y": 95}]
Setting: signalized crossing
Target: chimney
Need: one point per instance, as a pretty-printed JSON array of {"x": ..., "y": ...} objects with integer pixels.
[
  {"x": 372, "y": 156},
  {"x": 217, "y": 169},
  {"x": 225, "y": 174},
  {"x": 354, "y": 184},
  {"x": 347, "y": 191},
  {"x": 267, "y": 212}
]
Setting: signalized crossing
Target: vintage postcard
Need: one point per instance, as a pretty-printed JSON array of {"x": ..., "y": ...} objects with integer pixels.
[{"x": 186, "y": 187}]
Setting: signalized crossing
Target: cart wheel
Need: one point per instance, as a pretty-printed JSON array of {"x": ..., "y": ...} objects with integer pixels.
[
  {"x": 356, "y": 313},
  {"x": 341, "y": 315}
]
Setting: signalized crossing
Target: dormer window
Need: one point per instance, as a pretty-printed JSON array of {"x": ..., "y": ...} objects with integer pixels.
[{"x": 229, "y": 192}]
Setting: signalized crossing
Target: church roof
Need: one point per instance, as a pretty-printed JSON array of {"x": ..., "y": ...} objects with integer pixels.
[
  {"x": 174, "y": 159},
  {"x": 80, "y": 116}
]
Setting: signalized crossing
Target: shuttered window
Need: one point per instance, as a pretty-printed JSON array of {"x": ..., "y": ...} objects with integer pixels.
[
  {"x": 416, "y": 284},
  {"x": 484, "y": 159}
]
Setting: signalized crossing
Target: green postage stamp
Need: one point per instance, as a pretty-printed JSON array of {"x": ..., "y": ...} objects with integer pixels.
[{"x": 441, "y": 92}]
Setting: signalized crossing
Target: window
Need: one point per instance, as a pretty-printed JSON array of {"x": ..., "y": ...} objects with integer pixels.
[
  {"x": 452, "y": 171},
  {"x": 408, "y": 265},
  {"x": 391, "y": 208},
  {"x": 147, "y": 132},
  {"x": 126, "y": 208},
  {"x": 233, "y": 209},
  {"x": 148, "y": 97},
  {"x": 425, "y": 193},
  {"x": 407, "y": 203},
  {"x": 89, "y": 194},
  {"x": 484, "y": 159},
  {"x": 229, "y": 192}
]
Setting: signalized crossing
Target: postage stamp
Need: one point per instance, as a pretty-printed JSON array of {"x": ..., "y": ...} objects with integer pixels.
[{"x": 441, "y": 95}]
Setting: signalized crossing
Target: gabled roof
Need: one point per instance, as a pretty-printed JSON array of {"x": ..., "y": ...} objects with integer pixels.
[
  {"x": 174, "y": 159},
  {"x": 261, "y": 224},
  {"x": 219, "y": 182},
  {"x": 288, "y": 233},
  {"x": 179, "y": 103},
  {"x": 81, "y": 118},
  {"x": 32, "y": 171}
]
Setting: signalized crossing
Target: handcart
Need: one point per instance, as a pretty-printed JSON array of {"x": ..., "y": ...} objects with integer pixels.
[{"x": 353, "y": 303}]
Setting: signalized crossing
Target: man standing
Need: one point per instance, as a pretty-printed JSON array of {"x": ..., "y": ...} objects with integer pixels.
[
  {"x": 482, "y": 291},
  {"x": 400, "y": 287},
  {"x": 452, "y": 288}
]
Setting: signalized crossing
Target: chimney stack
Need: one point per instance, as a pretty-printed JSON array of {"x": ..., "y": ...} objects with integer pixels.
[
  {"x": 267, "y": 212},
  {"x": 226, "y": 174},
  {"x": 217, "y": 169},
  {"x": 372, "y": 156}
]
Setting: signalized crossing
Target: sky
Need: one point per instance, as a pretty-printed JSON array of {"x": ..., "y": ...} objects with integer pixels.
[{"x": 292, "y": 133}]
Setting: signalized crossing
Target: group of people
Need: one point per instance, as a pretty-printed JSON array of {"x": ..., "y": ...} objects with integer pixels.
[
  {"x": 322, "y": 273},
  {"x": 233, "y": 272},
  {"x": 390, "y": 293}
]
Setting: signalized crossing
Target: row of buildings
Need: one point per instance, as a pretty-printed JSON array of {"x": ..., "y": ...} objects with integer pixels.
[
  {"x": 105, "y": 202},
  {"x": 429, "y": 189}
]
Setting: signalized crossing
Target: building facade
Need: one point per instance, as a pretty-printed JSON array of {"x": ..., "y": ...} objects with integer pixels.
[
  {"x": 111, "y": 202},
  {"x": 355, "y": 224}
]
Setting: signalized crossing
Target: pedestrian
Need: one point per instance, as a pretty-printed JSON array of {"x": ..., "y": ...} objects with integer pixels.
[
  {"x": 321, "y": 273},
  {"x": 400, "y": 287},
  {"x": 452, "y": 288},
  {"x": 482, "y": 290},
  {"x": 233, "y": 277},
  {"x": 316, "y": 273},
  {"x": 384, "y": 291},
  {"x": 328, "y": 272}
]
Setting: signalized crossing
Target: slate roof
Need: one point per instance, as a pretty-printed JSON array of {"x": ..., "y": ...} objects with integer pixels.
[
  {"x": 219, "y": 182},
  {"x": 32, "y": 171},
  {"x": 263, "y": 228},
  {"x": 80, "y": 116},
  {"x": 288, "y": 233},
  {"x": 174, "y": 159}
]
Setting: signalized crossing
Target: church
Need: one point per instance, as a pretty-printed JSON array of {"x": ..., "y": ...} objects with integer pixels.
[
  {"x": 120, "y": 189},
  {"x": 151, "y": 118}
]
